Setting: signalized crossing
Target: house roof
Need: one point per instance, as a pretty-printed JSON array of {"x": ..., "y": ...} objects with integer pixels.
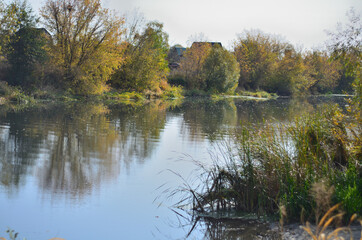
[{"x": 180, "y": 50}]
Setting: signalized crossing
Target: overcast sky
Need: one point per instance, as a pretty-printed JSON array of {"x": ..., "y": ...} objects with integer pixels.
[{"x": 301, "y": 22}]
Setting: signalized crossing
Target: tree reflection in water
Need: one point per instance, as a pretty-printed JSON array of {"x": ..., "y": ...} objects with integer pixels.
[
  {"x": 73, "y": 148},
  {"x": 69, "y": 151}
]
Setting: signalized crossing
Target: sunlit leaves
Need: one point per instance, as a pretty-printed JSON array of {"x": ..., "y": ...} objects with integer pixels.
[
  {"x": 256, "y": 52},
  {"x": 191, "y": 65},
  {"x": 145, "y": 65},
  {"x": 86, "y": 42}
]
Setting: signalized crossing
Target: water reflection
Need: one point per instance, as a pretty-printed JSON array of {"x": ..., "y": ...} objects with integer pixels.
[
  {"x": 202, "y": 117},
  {"x": 75, "y": 147},
  {"x": 213, "y": 119},
  {"x": 71, "y": 151}
]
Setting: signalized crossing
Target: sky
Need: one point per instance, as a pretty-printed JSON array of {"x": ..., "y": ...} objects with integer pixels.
[{"x": 300, "y": 22}]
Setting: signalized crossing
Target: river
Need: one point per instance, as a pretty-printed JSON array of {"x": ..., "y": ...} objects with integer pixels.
[{"x": 97, "y": 171}]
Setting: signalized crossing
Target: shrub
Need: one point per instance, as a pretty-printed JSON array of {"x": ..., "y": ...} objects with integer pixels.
[{"x": 221, "y": 71}]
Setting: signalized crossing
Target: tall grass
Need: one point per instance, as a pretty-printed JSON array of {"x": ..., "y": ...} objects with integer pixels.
[
  {"x": 320, "y": 232},
  {"x": 275, "y": 167}
]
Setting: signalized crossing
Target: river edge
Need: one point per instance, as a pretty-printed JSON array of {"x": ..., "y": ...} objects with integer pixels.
[{"x": 272, "y": 230}]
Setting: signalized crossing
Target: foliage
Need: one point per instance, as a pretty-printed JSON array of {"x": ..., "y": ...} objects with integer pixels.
[
  {"x": 86, "y": 42},
  {"x": 28, "y": 57},
  {"x": 275, "y": 165},
  {"x": 13, "y": 17},
  {"x": 221, "y": 71},
  {"x": 172, "y": 92},
  {"x": 345, "y": 46},
  {"x": 90, "y": 46},
  {"x": 14, "y": 94},
  {"x": 256, "y": 52},
  {"x": 270, "y": 64},
  {"x": 348, "y": 186},
  {"x": 345, "y": 43},
  {"x": 287, "y": 77},
  {"x": 257, "y": 94},
  {"x": 191, "y": 65},
  {"x": 145, "y": 63},
  {"x": 322, "y": 72}
]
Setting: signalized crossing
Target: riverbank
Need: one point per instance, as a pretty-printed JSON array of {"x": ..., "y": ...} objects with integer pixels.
[
  {"x": 15, "y": 95},
  {"x": 297, "y": 169},
  {"x": 262, "y": 229}
]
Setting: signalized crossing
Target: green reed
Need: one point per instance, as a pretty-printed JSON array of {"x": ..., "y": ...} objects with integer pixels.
[{"x": 275, "y": 165}]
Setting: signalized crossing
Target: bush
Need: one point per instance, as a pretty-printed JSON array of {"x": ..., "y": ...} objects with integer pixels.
[{"x": 221, "y": 71}]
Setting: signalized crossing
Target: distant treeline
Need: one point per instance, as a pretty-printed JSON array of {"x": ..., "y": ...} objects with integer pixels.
[{"x": 82, "y": 48}]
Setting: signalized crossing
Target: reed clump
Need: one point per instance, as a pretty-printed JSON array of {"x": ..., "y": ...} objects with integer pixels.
[{"x": 275, "y": 165}]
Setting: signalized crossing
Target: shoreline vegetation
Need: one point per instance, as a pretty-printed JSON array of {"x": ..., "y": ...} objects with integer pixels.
[
  {"x": 15, "y": 95},
  {"x": 82, "y": 51},
  {"x": 308, "y": 170},
  {"x": 55, "y": 55}
]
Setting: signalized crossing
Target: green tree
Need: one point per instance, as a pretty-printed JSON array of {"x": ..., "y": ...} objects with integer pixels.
[
  {"x": 221, "y": 71},
  {"x": 28, "y": 56},
  {"x": 13, "y": 17},
  {"x": 287, "y": 76},
  {"x": 145, "y": 66},
  {"x": 192, "y": 63},
  {"x": 86, "y": 42}
]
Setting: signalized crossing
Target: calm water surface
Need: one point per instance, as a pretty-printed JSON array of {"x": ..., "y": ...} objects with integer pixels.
[{"x": 91, "y": 171}]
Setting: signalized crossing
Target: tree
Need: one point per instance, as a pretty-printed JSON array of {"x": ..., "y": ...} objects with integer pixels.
[
  {"x": 322, "y": 71},
  {"x": 86, "y": 42},
  {"x": 221, "y": 71},
  {"x": 191, "y": 65},
  {"x": 287, "y": 74},
  {"x": 346, "y": 46},
  {"x": 256, "y": 52},
  {"x": 28, "y": 56},
  {"x": 13, "y": 17},
  {"x": 145, "y": 65}
]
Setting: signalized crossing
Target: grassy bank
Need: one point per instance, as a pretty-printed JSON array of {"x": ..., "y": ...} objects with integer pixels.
[
  {"x": 10, "y": 94},
  {"x": 297, "y": 169},
  {"x": 16, "y": 95}
]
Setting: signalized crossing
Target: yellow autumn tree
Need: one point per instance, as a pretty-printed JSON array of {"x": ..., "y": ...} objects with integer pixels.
[
  {"x": 322, "y": 71},
  {"x": 256, "y": 53},
  {"x": 86, "y": 43},
  {"x": 192, "y": 63}
]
